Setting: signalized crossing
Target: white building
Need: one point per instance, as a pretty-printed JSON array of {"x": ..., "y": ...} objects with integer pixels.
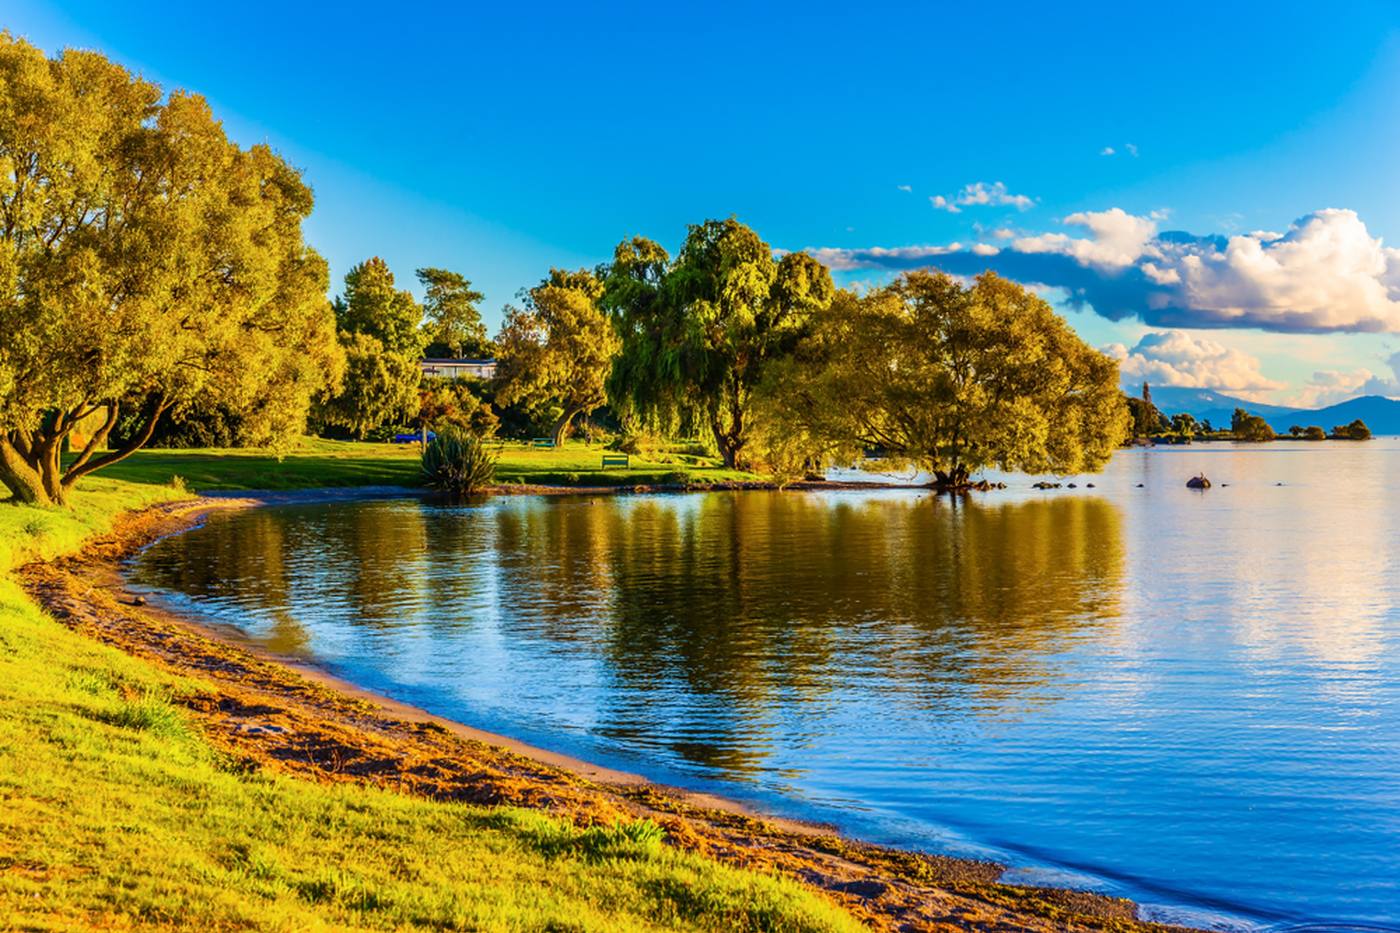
[{"x": 456, "y": 369}]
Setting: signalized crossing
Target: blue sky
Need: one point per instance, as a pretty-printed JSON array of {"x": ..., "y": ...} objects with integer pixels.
[{"x": 504, "y": 139}]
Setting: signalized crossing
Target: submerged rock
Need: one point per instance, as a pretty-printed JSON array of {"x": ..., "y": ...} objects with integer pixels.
[{"x": 1198, "y": 481}]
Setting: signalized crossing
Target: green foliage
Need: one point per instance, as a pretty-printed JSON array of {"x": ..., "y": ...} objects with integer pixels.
[
  {"x": 953, "y": 378},
  {"x": 1145, "y": 419},
  {"x": 457, "y": 463},
  {"x": 556, "y": 351},
  {"x": 378, "y": 388},
  {"x": 443, "y": 402},
  {"x": 372, "y": 306},
  {"x": 453, "y": 321},
  {"x": 1184, "y": 424},
  {"x": 151, "y": 712},
  {"x": 1356, "y": 431},
  {"x": 148, "y": 265},
  {"x": 1251, "y": 428},
  {"x": 699, "y": 333},
  {"x": 1314, "y": 433}
]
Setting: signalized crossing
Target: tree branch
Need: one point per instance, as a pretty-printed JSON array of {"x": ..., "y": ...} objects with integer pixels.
[{"x": 74, "y": 473}]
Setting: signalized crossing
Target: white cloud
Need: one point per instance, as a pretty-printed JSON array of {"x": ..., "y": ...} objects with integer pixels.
[
  {"x": 1108, "y": 151},
  {"x": 905, "y": 188},
  {"x": 1176, "y": 358},
  {"x": 1131, "y": 149},
  {"x": 1330, "y": 386},
  {"x": 1325, "y": 273},
  {"x": 981, "y": 194},
  {"x": 1117, "y": 238}
]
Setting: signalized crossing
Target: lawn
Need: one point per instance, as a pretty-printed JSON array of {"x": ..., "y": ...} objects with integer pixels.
[
  {"x": 315, "y": 462},
  {"x": 115, "y": 812}
]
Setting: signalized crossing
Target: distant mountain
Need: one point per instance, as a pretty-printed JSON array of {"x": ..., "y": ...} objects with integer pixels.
[{"x": 1381, "y": 414}]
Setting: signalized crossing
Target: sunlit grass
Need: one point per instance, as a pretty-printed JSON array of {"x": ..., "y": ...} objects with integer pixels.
[
  {"x": 316, "y": 462},
  {"x": 115, "y": 812}
]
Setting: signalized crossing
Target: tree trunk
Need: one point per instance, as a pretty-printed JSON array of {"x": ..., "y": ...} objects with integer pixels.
[
  {"x": 729, "y": 442},
  {"x": 21, "y": 478},
  {"x": 956, "y": 477},
  {"x": 561, "y": 427}
]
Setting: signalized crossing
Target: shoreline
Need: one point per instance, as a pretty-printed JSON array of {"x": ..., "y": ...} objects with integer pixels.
[{"x": 286, "y": 714}]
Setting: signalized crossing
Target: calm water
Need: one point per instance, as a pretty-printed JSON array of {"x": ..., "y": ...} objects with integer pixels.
[{"x": 1190, "y": 699}]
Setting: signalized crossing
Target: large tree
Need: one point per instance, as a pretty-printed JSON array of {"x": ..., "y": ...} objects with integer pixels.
[
  {"x": 378, "y": 388},
  {"x": 953, "y": 378},
  {"x": 383, "y": 342},
  {"x": 699, "y": 332},
  {"x": 452, "y": 319},
  {"x": 556, "y": 350},
  {"x": 147, "y": 264}
]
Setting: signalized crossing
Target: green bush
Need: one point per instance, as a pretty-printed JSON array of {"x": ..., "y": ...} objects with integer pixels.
[{"x": 457, "y": 462}]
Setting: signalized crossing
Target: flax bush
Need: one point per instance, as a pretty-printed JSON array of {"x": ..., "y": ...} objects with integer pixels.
[{"x": 458, "y": 463}]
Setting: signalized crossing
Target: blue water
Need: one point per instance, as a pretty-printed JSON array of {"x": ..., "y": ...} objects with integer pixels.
[{"x": 1191, "y": 699}]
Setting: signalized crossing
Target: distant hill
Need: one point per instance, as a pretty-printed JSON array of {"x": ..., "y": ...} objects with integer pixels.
[{"x": 1381, "y": 414}]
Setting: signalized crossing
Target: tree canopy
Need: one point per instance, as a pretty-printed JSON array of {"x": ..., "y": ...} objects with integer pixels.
[
  {"x": 1248, "y": 427},
  {"x": 372, "y": 305},
  {"x": 452, "y": 319},
  {"x": 383, "y": 343},
  {"x": 556, "y": 350},
  {"x": 146, "y": 262},
  {"x": 1355, "y": 431},
  {"x": 952, "y": 378},
  {"x": 699, "y": 332}
]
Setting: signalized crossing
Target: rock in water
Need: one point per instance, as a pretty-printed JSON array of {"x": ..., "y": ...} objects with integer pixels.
[{"x": 1198, "y": 481}]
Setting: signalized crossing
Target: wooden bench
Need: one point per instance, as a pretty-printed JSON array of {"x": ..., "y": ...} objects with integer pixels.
[
  {"x": 543, "y": 442},
  {"x": 616, "y": 460}
]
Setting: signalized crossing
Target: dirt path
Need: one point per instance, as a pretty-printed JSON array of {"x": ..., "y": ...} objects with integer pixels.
[{"x": 269, "y": 714}]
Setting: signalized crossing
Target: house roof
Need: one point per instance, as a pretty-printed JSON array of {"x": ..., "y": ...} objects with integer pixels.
[{"x": 460, "y": 362}]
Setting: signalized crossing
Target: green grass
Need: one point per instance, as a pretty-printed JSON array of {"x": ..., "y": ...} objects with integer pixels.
[
  {"x": 115, "y": 812},
  {"x": 316, "y": 462}
]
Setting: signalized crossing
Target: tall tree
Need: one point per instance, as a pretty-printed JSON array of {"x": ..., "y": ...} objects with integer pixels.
[
  {"x": 379, "y": 330},
  {"x": 453, "y": 321},
  {"x": 699, "y": 332},
  {"x": 146, "y": 263},
  {"x": 378, "y": 388},
  {"x": 954, "y": 378},
  {"x": 371, "y": 305},
  {"x": 557, "y": 350}
]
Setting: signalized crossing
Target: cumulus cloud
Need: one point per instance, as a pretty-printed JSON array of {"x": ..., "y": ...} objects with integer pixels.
[
  {"x": 1108, "y": 151},
  {"x": 1176, "y": 358},
  {"x": 1325, "y": 273},
  {"x": 981, "y": 194}
]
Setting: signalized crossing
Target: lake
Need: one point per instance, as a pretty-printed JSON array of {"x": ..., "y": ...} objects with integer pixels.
[{"x": 1188, "y": 698}]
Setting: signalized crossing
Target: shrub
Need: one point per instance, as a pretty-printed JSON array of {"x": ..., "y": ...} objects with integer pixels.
[
  {"x": 457, "y": 462},
  {"x": 1314, "y": 433}
]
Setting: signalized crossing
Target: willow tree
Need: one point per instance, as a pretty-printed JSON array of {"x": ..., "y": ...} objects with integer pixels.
[
  {"x": 556, "y": 351},
  {"x": 953, "y": 378},
  {"x": 147, "y": 264},
  {"x": 699, "y": 332}
]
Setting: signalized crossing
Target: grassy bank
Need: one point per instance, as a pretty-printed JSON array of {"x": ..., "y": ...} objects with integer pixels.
[
  {"x": 114, "y": 811},
  {"x": 316, "y": 462}
]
